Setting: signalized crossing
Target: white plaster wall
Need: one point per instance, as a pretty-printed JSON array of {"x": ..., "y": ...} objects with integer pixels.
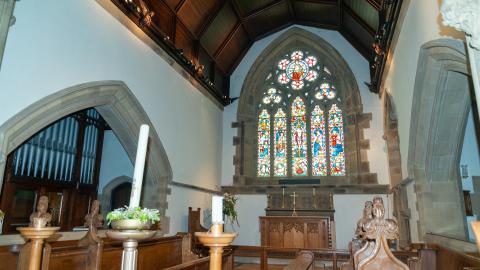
[
  {"x": 470, "y": 157},
  {"x": 77, "y": 41},
  {"x": 115, "y": 161},
  {"x": 348, "y": 209},
  {"x": 249, "y": 208},
  {"x": 178, "y": 202},
  {"x": 422, "y": 23},
  {"x": 360, "y": 68},
  {"x": 59, "y": 44}
]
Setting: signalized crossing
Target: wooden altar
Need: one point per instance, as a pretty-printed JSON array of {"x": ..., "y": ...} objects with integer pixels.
[
  {"x": 296, "y": 232},
  {"x": 298, "y": 218}
]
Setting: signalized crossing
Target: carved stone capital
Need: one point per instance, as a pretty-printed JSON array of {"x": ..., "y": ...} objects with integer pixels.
[{"x": 464, "y": 16}]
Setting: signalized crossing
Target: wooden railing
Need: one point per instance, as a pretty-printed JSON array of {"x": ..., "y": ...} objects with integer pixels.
[{"x": 264, "y": 253}]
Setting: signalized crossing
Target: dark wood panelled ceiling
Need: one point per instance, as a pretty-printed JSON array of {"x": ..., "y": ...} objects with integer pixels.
[{"x": 217, "y": 33}]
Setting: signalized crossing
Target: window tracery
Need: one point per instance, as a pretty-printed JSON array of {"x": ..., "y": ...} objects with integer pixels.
[{"x": 307, "y": 129}]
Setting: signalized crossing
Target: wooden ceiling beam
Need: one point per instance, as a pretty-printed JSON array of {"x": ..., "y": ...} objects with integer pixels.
[
  {"x": 290, "y": 10},
  {"x": 276, "y": 29},
  {"x": 319, "y": 25},
  {"x": 227, "y": 40},
  {"x": 340, "y": 12},
  {"x": 359, "y": 20},
  {"x": 261, "y": 10},
  {"x": 236, "y": 8},
  {"x": 376, "y": 4},
  {"x": 179, "y": 6},
  {"x": 210, "y": 18},
  {"x": 365, "y": 52}
]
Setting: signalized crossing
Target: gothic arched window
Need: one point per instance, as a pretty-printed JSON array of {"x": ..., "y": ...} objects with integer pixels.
[{"x": 300, "y": 120}]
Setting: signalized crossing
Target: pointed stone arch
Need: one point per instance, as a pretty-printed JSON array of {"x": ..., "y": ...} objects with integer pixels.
[
  {"x": 358, "y": 171},
  {"x": 440, "y": 107},
  {"x": 122, "y": 111}
]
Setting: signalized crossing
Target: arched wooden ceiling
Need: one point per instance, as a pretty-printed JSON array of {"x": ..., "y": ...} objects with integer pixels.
[{"x": 217, "y": 33}]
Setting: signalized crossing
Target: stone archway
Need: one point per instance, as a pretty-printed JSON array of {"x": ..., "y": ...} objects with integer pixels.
[
  {"x": 441, "y": 102},
  {"x": 119, "y": 107},
  {"x": 357, "y": 164},
  {"x": 107, "y": 191}
]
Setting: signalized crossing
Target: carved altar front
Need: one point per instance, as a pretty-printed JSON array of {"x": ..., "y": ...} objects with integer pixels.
[
  {"x": 296, "y": 232},
  {"x": 298, "y": 218}
]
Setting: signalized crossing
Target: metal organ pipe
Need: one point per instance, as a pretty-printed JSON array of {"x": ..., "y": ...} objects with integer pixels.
[
  {"x": 64, "y": 148},
  {"x": 46, "y": 161},
  {"x": 58, "y": 154},
  {"x": 38, "y": 153},
  {"x": 51, "y": 154}
]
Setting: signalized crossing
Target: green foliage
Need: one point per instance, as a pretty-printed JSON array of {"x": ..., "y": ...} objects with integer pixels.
[
  {"x": 126, "y": 212},
  {"x": 2, "y": 214},
  {"x": 229, "y": 202}
]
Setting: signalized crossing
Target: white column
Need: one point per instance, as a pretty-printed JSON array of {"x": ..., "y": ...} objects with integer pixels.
[{"x": 139, "y": 166}]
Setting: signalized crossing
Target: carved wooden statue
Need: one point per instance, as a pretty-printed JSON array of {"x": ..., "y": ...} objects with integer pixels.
[
  {"x": 380, "y": 229},
  {"x": 358, "y": 242},
  {"x": 91, "y": 241},
  {"x": 93, "y": 220},
  {"x": 367, "y": 215},
  {"x": 41, "y": 218}
]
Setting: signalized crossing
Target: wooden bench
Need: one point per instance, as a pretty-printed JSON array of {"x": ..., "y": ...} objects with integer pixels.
[{"x": 305, "y": 260}]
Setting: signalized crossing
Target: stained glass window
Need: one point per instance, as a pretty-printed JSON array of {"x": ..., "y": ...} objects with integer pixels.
[
  {"x": 280, "y": 133},
  {"x": 336, "y": 139},
  {"x": 263, "y": 144},
  {"x": 299, "y": 138},
  {"x": 296, "y": 69},
  {"x": 301, "y": 95},
  {"x": 319, "y": 149}
]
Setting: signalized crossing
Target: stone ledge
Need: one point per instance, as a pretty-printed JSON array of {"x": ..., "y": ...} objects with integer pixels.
[
  {"x": 451, "y": 243},
  {"x": 335, "y": 189}
]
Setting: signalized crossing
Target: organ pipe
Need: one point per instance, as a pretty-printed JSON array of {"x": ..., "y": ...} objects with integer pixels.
[{"x": 51, "y": 153}]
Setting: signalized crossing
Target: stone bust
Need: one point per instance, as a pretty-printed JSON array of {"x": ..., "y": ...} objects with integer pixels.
[
  {"x": 41, "y": 213},
  {"x": 94, "y": 219}
]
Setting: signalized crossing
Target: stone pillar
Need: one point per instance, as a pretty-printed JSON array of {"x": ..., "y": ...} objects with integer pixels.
[{"x": 6, "y": 20}]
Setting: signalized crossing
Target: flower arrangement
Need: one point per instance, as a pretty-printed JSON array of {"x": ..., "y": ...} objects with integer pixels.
[
  {"x": 144, "y": 215},
  {"x": 229, "y": 202}
]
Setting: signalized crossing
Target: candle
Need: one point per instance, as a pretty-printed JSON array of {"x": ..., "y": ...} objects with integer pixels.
[
  {"x": 139, "y": 166},
  {"x": 217, "y": 209}
]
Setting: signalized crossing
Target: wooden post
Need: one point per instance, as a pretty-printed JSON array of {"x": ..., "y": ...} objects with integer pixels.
[
  {"x": 264, "y": 259},
  {"x": 216, "y": 239},
  {"x": 36, "y": 237}
]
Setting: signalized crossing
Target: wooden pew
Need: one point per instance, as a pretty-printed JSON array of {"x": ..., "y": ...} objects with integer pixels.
[
  {"x": 9, "y": 256},
  {"x": 305, "y": 260},
  {"x": 194, "y": 225}
]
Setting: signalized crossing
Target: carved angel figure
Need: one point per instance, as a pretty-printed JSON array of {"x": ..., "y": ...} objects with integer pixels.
[
  {"x": 378, "y": 224},
  {"x": 41, "y": 213},
  {"x": 146, "y": 14},
  {"x": 94, "y": 219},
  {"x": 367, "y": 215}
]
